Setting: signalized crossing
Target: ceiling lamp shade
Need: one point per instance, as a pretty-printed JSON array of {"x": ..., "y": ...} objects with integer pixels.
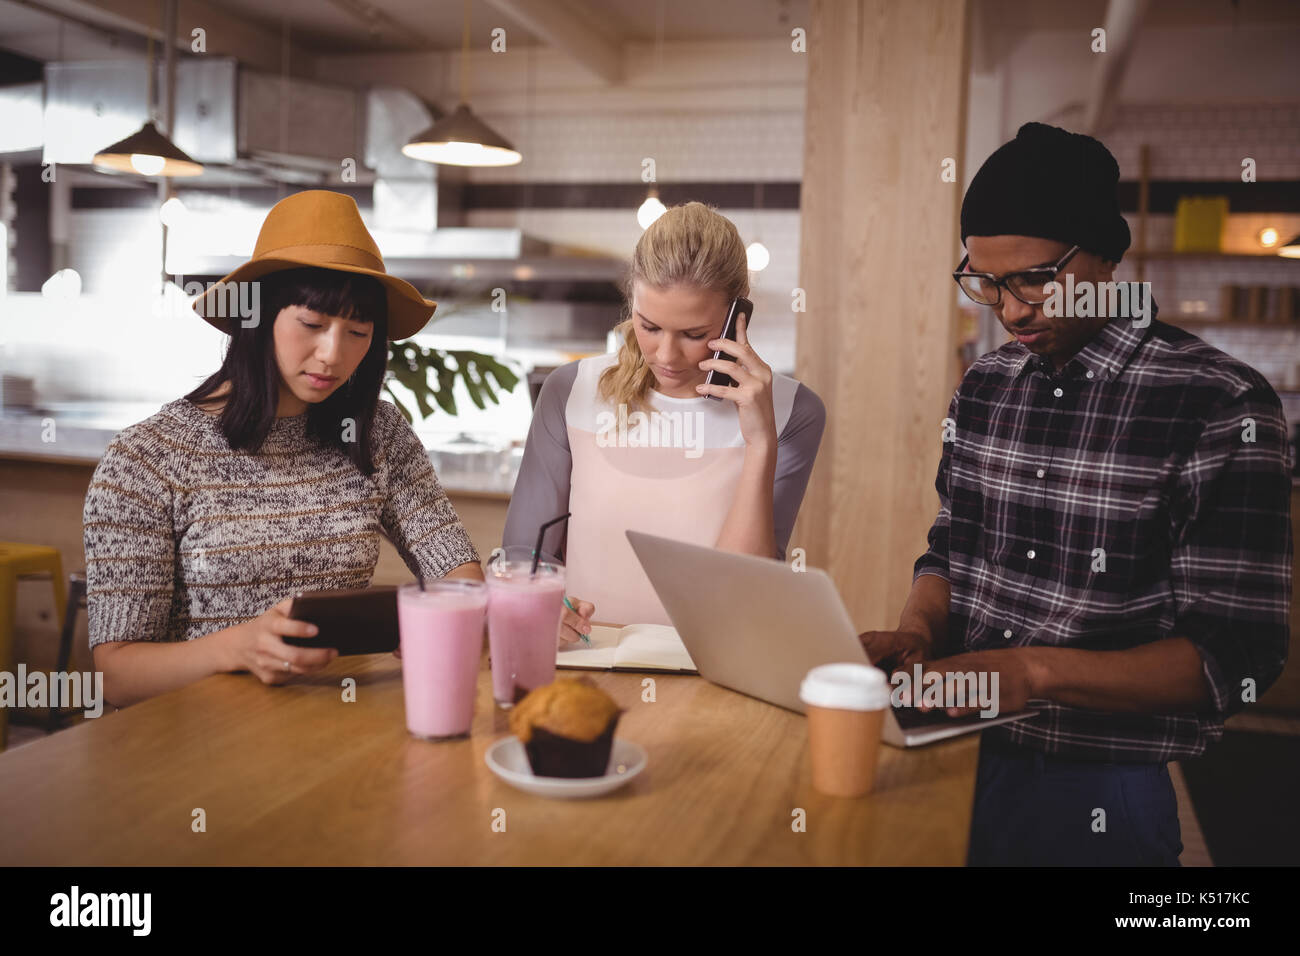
[
  {"x": 147, "y": 152},
  {"x": 1291, "y": 250},
  {"x": 462, "y": 139}
]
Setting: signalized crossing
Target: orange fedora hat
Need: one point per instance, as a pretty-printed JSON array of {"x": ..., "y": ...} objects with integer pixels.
[{"x": 317, "y": 227}]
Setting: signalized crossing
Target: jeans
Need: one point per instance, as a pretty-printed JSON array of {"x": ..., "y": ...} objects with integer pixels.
[{"x": 1033, "y": 809}]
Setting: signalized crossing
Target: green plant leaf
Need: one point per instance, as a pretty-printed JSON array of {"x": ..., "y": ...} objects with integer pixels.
[
  {"x": 411, "y": 365},
  {"x": 504, "y": 375},
  {"x": 486, "y": 385},
  {"x": 418, "y": 385}
]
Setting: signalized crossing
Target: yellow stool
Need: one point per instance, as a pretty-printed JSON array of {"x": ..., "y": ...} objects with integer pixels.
[{"x": 21, "y": 561}]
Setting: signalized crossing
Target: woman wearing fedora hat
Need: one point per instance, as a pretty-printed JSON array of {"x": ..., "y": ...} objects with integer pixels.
[{"x": 277, "y": 474}]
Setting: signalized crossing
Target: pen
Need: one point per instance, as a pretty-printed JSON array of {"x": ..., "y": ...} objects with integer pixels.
[{"x": 575, "y": 611}]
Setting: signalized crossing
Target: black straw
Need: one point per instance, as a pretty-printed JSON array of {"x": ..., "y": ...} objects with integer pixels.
[
  {"x": 537, "y": 551},
  {"x": 421, "y": 578}
]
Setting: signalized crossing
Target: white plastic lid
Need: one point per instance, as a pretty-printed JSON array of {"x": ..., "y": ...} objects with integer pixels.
[{"x": 845, "y": 687}]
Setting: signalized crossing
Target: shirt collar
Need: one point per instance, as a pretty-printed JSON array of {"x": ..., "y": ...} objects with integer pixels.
[{"x": 1104, "y": 356}]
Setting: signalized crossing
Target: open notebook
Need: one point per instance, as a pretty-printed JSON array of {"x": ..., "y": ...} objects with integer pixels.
[{"x": 637, "y": 647}]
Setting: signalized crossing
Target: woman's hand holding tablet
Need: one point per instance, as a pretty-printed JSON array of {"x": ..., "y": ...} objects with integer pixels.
[{"x": 261, "y": 650}]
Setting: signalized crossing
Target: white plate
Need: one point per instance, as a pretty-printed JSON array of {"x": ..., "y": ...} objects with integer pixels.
[{"x": 506, "y": 758}]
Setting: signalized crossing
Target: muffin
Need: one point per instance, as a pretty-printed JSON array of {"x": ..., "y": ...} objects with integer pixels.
[{"x": 567, "y": 728}]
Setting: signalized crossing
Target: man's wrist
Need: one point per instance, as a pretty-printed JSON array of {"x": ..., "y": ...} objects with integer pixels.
[
  {"x": 924, "y": 631},
  {"x": 1038, "y": 669}
]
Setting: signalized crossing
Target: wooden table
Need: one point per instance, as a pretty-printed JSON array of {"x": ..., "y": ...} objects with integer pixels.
[{"x": 294, "y": 775}]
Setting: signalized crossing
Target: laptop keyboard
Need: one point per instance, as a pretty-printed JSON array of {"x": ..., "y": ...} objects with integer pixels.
[{"x": 913, "y": 718}]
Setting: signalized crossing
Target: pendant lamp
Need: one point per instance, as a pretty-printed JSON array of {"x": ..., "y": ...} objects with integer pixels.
[
  {"x": 461, "y": 138},
  {"x": 147, "y": 152}
]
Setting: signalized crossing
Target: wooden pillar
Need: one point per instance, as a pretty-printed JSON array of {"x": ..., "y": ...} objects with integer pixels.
[{"x": 880, "y": 226}]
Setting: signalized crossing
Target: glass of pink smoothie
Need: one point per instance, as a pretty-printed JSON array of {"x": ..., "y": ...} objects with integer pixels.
[
  {"x": 524, "y": 611},
  {"x": 441, "y": 631}
]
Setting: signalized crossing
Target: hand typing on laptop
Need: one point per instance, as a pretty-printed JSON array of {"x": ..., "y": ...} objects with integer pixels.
[
  {"x": 1015, "y": 683},
  {"x": 890, "y": 650}
]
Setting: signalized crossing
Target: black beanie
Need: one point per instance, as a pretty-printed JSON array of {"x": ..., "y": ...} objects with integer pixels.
[{"x": 1052, "y": 184}]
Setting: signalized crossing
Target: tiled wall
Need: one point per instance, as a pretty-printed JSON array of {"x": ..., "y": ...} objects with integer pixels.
[
  {"x": 1191, "y": 287},
  {"x": 712, "y": 146},
  {"x": 1196, "y": 142},
  {"x": 1276, "y": 355},
  {"x": 1208, "y": 142}
]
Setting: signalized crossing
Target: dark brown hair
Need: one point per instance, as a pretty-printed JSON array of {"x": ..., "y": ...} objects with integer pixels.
[{"x": 254, "y": 375}]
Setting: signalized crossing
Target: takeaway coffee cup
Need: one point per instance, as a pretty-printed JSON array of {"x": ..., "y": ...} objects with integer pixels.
[{"x": 846, "y": 706}]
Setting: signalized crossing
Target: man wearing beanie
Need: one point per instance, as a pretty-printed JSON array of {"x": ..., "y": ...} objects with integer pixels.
[{"x": 1113, "y": 538}]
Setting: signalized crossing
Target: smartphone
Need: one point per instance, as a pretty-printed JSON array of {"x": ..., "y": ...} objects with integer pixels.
[
  {"x": 355, "y": 621},
  {"x": 739, "y": 306}
]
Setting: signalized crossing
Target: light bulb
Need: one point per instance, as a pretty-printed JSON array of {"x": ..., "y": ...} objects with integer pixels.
[
  {"x": 64, "y": 284},
  {"x": 757, "y": 255},
  {"x": 456, "y": 153},
  {"x": 172, "y": 213},
  {"x": 1268, "y": 237},
  {"x": 650, "y": 210},
  {"x": 146, "y": 164}
]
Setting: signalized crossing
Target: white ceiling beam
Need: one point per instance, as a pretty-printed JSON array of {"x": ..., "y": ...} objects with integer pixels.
[
  {"x": 377, "y": 22},
  {"x": 561, "y": 28},
  {"x": 1123, "y": 20}
]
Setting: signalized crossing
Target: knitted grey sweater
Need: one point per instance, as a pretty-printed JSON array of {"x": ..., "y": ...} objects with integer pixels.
[{"x": 184, "y": 536}]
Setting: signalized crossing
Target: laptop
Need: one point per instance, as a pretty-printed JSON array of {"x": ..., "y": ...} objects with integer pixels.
[{"x": 756, "y": 626}]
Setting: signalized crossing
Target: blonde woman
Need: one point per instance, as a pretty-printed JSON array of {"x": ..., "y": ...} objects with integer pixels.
[{"x": 633, "y": 440}]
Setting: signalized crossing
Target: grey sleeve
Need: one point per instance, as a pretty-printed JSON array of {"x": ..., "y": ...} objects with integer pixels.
[
  {"x": 417, "y": 516},
  {"x": 129, "y": 536},
  {"x": 796, "y": 450},
  {"x": 542, "y": 489}
]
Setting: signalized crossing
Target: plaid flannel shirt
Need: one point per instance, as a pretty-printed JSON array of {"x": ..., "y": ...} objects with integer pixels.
[{"x": 1140, "y": 493}]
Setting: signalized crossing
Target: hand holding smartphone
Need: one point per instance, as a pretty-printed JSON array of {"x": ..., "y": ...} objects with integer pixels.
[
  {"x": 353, "y": 620},
  {"x": 739, "y": 306}
]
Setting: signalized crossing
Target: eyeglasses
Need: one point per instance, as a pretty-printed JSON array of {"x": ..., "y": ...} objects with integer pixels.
[{"x": 1028, "y": 285}]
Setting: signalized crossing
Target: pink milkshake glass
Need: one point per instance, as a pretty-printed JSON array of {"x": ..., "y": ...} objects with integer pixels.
[
  {"x": 441, "y": 630},
  {"x": 524, "y": 611}
]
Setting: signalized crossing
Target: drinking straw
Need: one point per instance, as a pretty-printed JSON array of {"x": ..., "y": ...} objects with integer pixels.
[
  {"x": 537, "y": 551},
  {"x": 421, "y": 579}
]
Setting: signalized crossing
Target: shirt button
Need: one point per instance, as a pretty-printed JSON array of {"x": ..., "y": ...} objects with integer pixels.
[
  {"x": 1007, "y": 633},
  {"x": 1030, "y": 553},
  {"x": 1041, "y": 472},
  {"x": 1090, "y": 373},
  {"x": 1058, "y": 393}
]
